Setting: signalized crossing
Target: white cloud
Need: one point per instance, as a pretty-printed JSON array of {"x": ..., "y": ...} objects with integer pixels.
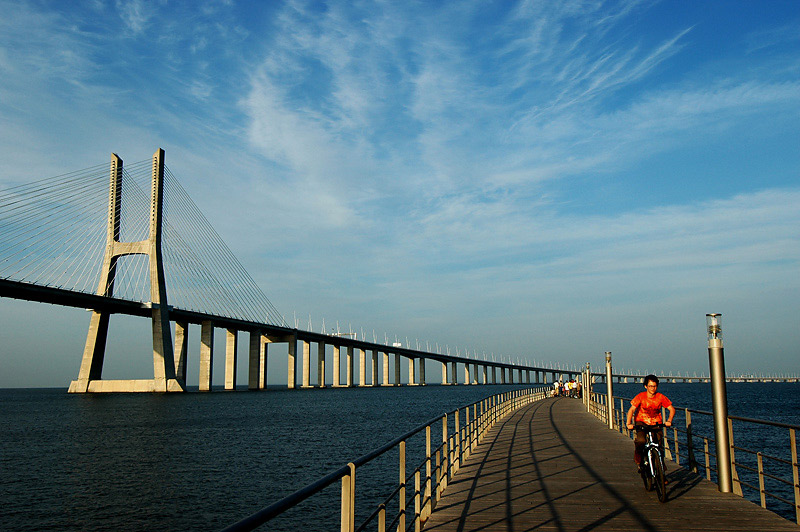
[{"x": 135, "y": 14}]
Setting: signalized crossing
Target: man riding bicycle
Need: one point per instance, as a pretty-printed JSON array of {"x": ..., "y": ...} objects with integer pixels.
[{"x": 646, "y": 410}]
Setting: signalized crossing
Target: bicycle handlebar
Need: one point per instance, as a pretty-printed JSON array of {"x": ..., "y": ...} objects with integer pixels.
[{"x": 649, "y": 428}]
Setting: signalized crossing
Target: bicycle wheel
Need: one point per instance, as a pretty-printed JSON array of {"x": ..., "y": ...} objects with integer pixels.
[
  {"x": 646, "y": 477},
  {"x": 660, "y": 480}
]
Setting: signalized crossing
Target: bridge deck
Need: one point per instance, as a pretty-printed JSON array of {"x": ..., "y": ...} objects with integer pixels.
[{"x": 551, "y": 466}]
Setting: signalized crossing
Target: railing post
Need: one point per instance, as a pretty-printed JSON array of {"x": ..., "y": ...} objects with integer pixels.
[
  {"x": 428, "y": 506},
  {"x": 446, "y": 456},
  {"x": 689, "y": 442},
  {"x": 761, "y": 489},
  {"x": 737, "y": 485},
  {"x": 457, "y": 442},
  {"x": 795, "y": 476},
  {"x": 401, "y": 526},
  {"x": 719, "y": 397},
  {"x": 417, "y": 504},
  {"x": 349, "y": 499}
]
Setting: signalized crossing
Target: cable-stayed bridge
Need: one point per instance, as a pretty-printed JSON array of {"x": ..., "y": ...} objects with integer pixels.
[{"x": 127, "y": 239}]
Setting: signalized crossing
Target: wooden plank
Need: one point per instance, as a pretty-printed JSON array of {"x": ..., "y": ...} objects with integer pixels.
[{"x": 551, "y": 466}]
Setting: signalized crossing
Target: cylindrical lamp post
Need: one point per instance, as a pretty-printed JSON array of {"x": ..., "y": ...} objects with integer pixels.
[
  {"x": 719, "y": 398},
  {"x": 587, "y": 388},
  {"x": 610, "y": 391}
]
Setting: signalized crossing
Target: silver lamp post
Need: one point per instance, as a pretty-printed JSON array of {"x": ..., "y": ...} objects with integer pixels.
[
  {"x": 719, "y": 398},
  {"x": 610, "y": 391},
  {"x": 587, "y": 387}
]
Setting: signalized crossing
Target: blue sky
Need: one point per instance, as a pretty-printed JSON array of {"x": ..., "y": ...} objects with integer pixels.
[{"x": 544, "y": 181}]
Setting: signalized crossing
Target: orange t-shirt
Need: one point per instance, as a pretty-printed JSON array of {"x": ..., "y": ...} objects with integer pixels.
[{"x": 649, "y": 410}]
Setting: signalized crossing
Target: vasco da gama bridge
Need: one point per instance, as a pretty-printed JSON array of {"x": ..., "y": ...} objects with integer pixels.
[{"x": 156, "y": 256}]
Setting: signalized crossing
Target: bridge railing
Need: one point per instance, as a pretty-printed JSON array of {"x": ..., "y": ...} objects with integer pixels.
[
  {"x": 420, "y": 486},
  {"x": 769, "y": 476}
]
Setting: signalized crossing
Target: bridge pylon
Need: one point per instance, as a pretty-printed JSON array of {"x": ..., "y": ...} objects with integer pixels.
[{"x": 164, "y": 375}]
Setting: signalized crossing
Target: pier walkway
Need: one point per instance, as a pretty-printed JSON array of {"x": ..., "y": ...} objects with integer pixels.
[{"x": 552, "y": 466}]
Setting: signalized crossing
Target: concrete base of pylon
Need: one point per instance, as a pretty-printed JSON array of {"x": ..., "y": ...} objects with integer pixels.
[{"x": 126, "y": 386}]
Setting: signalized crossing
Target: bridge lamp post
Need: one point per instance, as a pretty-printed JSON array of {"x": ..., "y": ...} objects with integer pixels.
[{"x": 719, "y": 397}]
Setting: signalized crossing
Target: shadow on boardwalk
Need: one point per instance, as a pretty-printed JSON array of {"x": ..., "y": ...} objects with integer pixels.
[{"x": 552, "y": 466}]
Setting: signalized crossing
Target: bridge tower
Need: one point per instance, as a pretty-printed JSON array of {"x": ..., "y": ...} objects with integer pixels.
[{"x": 164, "y": 375}]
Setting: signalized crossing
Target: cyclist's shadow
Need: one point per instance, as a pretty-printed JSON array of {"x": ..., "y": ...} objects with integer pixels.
[{"x": 681, "y": 482}]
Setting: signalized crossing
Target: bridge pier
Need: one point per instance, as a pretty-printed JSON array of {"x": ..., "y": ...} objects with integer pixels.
[
  {"x": 362, "y": 367},
  {"x": 257, "y": 346},
  {"x": 321, "y": 364},
  {"x": 231, "y": 344},
  {"x": 181, "y": 349},
  {"x": 397, "y": 369},
  {"x": 206, "y": 355},
  {"x": 305, "y": 369},
  {"x": 411, "y": 371},
  {"x": 291, "y": 363},
  {"x": 337, "y": 368},
  {"x": 350, "y": 366},
  {"x": 385, "y": 368},
  {"x": 422, "y": 372}
]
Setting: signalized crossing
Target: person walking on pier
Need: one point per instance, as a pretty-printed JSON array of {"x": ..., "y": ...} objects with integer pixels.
[{"x": 646, "y": 410}]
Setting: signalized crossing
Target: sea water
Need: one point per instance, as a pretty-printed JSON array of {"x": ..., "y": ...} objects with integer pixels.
[{"x": 201, "y": 461}]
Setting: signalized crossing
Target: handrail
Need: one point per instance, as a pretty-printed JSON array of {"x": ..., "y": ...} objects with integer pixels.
[
  {"x": 690, "y": 442},
  {"x": 454, "y": 449}
]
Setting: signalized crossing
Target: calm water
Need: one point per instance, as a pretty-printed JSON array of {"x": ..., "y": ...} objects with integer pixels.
[{"x": 201, "y": 461}]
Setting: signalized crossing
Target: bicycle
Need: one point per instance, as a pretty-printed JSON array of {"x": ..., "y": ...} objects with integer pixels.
[{"x": 653, "y": 470}]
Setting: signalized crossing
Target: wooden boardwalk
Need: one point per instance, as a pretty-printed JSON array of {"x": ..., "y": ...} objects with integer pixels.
[{"x": 552, "y": 466}]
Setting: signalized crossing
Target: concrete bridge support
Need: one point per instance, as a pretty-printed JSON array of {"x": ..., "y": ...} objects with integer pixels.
[
  {"x": 422, "y": 372},
  {"x": 206, "y": 355},
  {"x": 411, "y": 371},
  {"x": 362, "y": 367},
  {"x": 306, "y": 365},
  {"x": 181, "y": 350},
  {"x": 231, "y": 345},
  {"x": 291, "y": 365},
  {"x": 321, "y": 364},
  {"x": 397, "y": 369},
  {"x": 337, "y": 367},
  {"x": 374, "y": 381},
  {"x": 253, "y": 348},
  {"x": 444, "y": 373},
  {"x": 385, "y": 363},
  {"x": 350, "y": 366}
]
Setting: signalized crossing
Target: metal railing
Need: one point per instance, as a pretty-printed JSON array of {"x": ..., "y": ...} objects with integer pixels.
[
  {"x": 758, "y": 475},
  {"x": 418, "y": 490}
]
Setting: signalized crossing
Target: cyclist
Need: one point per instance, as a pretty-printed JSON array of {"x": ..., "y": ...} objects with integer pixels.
[{"x": 646, "y": 410}]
